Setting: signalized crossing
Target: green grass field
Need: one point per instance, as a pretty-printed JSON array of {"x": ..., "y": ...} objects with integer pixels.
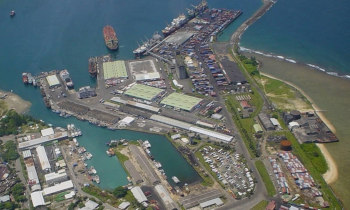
[
  {"x": 261, "y": 205},
  {"x": 265, "y": 177}
]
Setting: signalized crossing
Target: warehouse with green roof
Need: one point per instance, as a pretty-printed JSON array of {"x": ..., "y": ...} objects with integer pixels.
[
  {"x": 181, "y": 101},
  {"x": 144, "y": 92},
  {"x": 114, "y": 69}
]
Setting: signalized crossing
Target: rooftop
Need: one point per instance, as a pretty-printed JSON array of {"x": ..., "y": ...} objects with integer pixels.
[
  {"x": 114, "y": 69},
  {"x": 181, "y": 101},
  {"x": 143, "y": 91},
  {"x": 52, "y": 80},
  {"x": 144, "y": 70}
]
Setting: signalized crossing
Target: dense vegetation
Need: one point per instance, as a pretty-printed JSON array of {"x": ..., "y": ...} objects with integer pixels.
[
  {"x": 120, "y": 192},
  {"x": 17, "y": 192},
  {"x": 9, "y": 151},
  {"x": 316, "y": 157},
  {"x": 10, "y": 123},
  {"x": 9, "y": 205},
  {"x": 265, "y": 177}
]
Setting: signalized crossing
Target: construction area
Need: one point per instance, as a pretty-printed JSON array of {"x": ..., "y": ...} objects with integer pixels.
[{"x": 144, "y": 70}]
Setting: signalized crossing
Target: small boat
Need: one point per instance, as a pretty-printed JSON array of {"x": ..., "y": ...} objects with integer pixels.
[
  {"x": 96, "y": 179},
  {"x": 92, "y": 170},
  {"x": 88, "y": 155},
  {"x": 175, "y": 179},
  {"x": 12, "y": 13},
  {"x": 110, "y": 152},
  {"x": 157, "y": 164},
  {"x": 146, "y": 144}
]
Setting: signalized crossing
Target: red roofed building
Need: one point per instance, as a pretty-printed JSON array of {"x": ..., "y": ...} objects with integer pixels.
[{"x": 271, "y": 205}]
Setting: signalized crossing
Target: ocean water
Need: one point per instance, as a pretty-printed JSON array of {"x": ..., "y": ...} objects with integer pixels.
[
  {"x": 47, "y": 35},
  {"x": 314, "y": 32}
]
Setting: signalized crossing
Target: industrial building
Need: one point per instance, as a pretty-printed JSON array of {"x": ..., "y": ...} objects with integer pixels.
[
  {"x": 144, "y": 92},
  {"x": 136, "y": 104},
  {"x": 190, "y": 201},
  {"x": 54, "y": 177},
  {"x": 187, "y": 126},
  {"x": 86, "y": 92},
  {"x": 138, "y": 194},
  {"x": 41, "y": 140},
  {"x": 33, "y": 179},
  {"x": 257, "y": 128},
  {"x": 53, "y": 81},
  {"x": 210, "y": 203},
  {"x": 44, "y": 161},
  {"x": 266, "y": 122},
  {"x": 181, "y": 101},
  {"x": 143, "y": 70},
  {"x": 164, "y": 195},
  {"x": 63, "y": 186},
  {"x": 114, "y": 69},
  {"x": 47, "y": 132},
  {"x": 26, "y": 154},
  {"x": 37, "y": 199}
]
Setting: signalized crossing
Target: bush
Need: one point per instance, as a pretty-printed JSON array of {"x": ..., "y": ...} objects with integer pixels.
[{"x": 120, "y": 192}]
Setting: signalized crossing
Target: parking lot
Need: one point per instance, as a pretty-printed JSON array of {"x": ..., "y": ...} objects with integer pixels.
[{"x": 230, "y": 170}]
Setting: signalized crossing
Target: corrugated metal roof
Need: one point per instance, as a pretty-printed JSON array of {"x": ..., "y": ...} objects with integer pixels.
[
  {"x": 58, "y": 188},
  {"x": 216, "y": 201},
  {"x": 47, "y": 132},
  {"x": 27, "y": 154},
  {"x": 37, "y": 198},
  {"x": 44, "y": 161},
  {"x": 138, "y": 194}
]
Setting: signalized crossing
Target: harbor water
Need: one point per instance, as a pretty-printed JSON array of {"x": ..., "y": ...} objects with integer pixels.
[{"x": 48, "y": 35}]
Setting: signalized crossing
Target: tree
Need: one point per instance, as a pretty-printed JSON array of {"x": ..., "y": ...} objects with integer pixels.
[{"x": 120, "y": 192}]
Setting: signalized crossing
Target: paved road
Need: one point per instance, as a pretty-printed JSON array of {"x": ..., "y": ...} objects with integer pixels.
[{"x": 20, "y": 172}]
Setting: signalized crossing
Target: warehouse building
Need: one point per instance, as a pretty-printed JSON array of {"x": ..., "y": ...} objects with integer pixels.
[
  {"x": 54, "y": 177},
  {"x": 144, "y": 92},
  {"x": 164, "y": 195},
  {"x": 144, "y": 70},
  {"x": 41, "y": 140},
  {"x": 44, "y": 161},
  {"x": 47, "y": 132},
  {"x": 63, "y": 186},
  {"x": 181, "y": 101},
  {"x": 114, "y": 69},
  {"x": 266, "y": 122},
  {"x": 53, "y": 81},
  {"x": 37, "y": 199},
  {"x": 138, "y": 194}
]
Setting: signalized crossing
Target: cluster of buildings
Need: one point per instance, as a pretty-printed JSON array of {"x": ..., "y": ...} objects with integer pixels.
[
  {"x": 269, "y": 123},
  {"x": 308, "y": 127},
  {"x": 45, "y": 162},
  {"x": 280, "y": 177}
]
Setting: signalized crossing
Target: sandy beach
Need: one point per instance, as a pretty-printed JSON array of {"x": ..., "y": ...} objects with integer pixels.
[{"x": 15, "y": 102}]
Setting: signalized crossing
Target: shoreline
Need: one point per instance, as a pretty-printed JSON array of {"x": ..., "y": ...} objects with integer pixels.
[
  {"x": 331, "y": 174},
  {"x": 14, "y": 101}
]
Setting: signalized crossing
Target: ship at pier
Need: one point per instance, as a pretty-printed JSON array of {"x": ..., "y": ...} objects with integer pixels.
[
  {"x": 64, "y": 74},
  {"x": 182, "y": 19},
  {"x": 93, "y": 66},
  {"x": 110, "y": 37}
]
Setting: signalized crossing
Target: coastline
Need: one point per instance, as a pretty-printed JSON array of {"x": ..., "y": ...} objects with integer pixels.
[
  {"x": 14, "y": 101},
  {"x": 332, "y": 173}
]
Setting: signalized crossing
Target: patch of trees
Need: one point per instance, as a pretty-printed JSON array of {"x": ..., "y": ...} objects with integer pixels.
[
  {"x": 12, "y": 120},
  {"x": 9, "y": 152},
  {"x": 120, "y": 192},
  {"x": 17, "y": 192}
]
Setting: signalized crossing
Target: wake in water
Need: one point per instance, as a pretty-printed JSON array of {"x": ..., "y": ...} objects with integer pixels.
[{"x": 243, "y": 49}]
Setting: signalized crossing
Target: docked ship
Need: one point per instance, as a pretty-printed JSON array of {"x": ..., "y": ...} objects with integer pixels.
[
  {"x": 175, "y": 179},
  {"x": 174, "y": 25},
  {"x": 64, "y": 74},
  {"x": 110, "y": 37},
  {"x": 93, "y": 66},
  {"x": 25, "y": 78},
  {"x": 156, "y": 38}
]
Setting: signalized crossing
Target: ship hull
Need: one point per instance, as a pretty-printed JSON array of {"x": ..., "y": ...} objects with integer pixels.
[{"x": 110, "y": 37}]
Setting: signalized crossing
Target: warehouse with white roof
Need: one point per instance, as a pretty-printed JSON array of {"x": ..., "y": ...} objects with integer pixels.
[
  {"x": 63, "y": 186},
  {"x": 37, "y": 199},
  {"x": 44, "y": 161},
  {"x": 138, "y": 194},
  {"x": 53, "y": 81}
]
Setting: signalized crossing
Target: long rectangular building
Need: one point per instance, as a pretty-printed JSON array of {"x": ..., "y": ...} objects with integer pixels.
[
  {"x": 190, "y": 127},
  {"x": 34, "y": 142},
  {"x": 63, "y": 186},
  {"x": 44, "y": 161}
]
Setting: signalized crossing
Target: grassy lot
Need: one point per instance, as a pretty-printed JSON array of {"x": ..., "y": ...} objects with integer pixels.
[
  {"x": 103, "y": 196},
  {"x": 207, "y": 181},
  {"x": 261, "y": 205},
  {"x": 316, "y": 157},
  {"x": 266, "y": 178}
]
